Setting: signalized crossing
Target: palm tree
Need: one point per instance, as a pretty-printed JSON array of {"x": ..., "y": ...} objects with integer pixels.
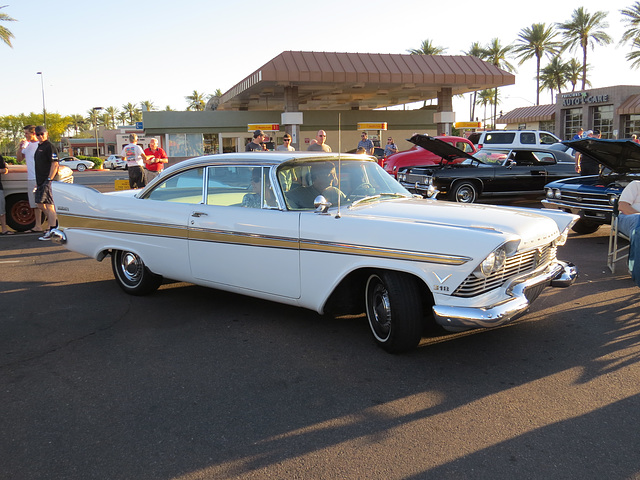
[
  {"x": 5, "y": 33},
  {"x": 537, "y": 41},
  {"x": 584, "y": 30},
  {"x": 427, "y": 48},
  {"x": 476, "y": 50},
  {"x": 574, "y": 73},
  {"x": 77, "y": 122},
  {"x": 197, "y": 101},
  {"x": 632, "y": 33},
  {"x": 131, "y": 110},
  {"x": 497, "y": 55},
  {"x": 113, "y": 113},
  {"x": 554, "y": 76},
  {"x": 148, "y": 104},
  {"x": 485, "y": 97},
  {"x": 93, "y": 118},
  {"x": 122, "y": 117}
]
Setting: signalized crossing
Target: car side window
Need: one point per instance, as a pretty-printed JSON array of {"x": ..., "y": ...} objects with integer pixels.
[
  {"x": 528, "y": 138},
  {"x": 545, "y": 158},
  {"x": 184, "y": 187},
  {"x": 241, "y": 186},
  {"x": 546, "y": 139}
]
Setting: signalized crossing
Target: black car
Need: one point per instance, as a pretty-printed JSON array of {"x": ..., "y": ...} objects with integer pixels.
[
  {"x": 488, "y": 172},
  {"x": 592, "y": 196}
]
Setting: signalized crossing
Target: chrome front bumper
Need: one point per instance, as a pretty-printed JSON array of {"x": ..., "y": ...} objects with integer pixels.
[
  {"x": 558, "y": 274},
  {"x": 58, "y": 237}
]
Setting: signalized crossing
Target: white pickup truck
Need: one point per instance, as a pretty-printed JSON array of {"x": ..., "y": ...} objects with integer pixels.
[{"x": 19, "y": 214}]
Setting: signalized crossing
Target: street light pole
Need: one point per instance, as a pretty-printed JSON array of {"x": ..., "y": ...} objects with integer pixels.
[
  {"x": 95, "y": 115},
  {"x": 44, "y": 110}
]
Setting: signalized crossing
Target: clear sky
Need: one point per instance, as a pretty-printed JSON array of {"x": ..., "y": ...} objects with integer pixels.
[{"x": 111, "y": 53}]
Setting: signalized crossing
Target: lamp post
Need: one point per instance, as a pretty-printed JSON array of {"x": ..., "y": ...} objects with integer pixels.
[
  {"x": 44, "y": 110},
  {"x": 95, "y": 115}
]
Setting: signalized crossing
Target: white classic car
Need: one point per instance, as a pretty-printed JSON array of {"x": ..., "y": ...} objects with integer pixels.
[
  {"x": 329, "y": 232},
  {"x": 76, "y": 164}
]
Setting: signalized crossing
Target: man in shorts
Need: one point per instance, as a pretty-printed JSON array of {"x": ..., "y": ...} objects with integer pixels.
[
  {"x": 135, "y": 157},
  {"x": 26, "y": 152},
  {"x": 46, "y": 162}
]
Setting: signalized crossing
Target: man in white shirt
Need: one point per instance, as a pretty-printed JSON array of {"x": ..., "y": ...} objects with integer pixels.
[
  {"x": 26, "y": 152},
  {"x": 135, "y": 158},
  {"x": 629, "y": 207}
]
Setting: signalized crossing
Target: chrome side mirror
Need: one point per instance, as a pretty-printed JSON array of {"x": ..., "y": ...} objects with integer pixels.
[{"x": 322, "y": 204}]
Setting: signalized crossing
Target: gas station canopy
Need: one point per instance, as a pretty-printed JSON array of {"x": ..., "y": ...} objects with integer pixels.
[{"x": 299, "y": 81}]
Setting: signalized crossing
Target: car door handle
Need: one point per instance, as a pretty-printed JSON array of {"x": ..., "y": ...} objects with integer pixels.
[{"x": 198, "y": 214}]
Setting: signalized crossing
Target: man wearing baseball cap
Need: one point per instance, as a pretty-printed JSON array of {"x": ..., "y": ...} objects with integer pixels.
[
  {"x": 46, "y": 162},
  {"x": 255, "y": 145}
]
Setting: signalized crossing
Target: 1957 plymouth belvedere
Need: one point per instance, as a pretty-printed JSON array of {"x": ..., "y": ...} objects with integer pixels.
[{"x": 329, "y": 232}]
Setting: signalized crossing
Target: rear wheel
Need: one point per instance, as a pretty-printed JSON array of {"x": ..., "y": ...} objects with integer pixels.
[
  {"x": 132, "y": 274},
  {"x": 464, "y": 192},
  {"x": 20, "y": 215},
  {"x": 584, "y": 227},
  {"x": 81, "y": 167},
  {"x": 394, "y": 311}
]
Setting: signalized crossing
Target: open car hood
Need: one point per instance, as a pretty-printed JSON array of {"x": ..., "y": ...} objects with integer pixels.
[
  {"x": 621, "y": 156},
  {"x": 438, "y": 147}
]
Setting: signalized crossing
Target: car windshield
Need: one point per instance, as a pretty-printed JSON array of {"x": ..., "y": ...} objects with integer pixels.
[
  {"x": 490, "y": 157},
  {"x": 347, "y": 181}
]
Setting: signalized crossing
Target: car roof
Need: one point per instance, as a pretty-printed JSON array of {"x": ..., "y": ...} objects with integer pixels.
[{"x": 621, "y": 156}]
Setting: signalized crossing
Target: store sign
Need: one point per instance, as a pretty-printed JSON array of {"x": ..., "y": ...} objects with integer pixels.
[
  {"x": 582, "y": 98},
  {"x": 372, "y": 125},
  {"x": 467, "y": 125},
  {"x": 267, "y": 127}
]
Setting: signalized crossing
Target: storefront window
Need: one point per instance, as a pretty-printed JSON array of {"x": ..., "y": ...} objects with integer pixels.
[
  {"x": 547, "y": 126},
  {"x": 631, "y": 125},
  {"x": 211, "y": 143},
  {"x": 185, "y": 145},
  {"x": 572, "y": 122},
  {"x": 603, "y": 120}
]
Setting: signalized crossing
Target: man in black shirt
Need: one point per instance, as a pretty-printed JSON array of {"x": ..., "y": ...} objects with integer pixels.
[{"x": 46, "y": 160}]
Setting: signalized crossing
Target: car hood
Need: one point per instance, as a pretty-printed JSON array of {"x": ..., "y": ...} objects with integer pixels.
[
  {"x": 621, "y": 156},
  {"x": 440, "y": 148}
]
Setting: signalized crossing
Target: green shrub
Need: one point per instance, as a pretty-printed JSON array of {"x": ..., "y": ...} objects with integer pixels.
[
  {"x": 97, "y": 161},
  {"x": 12, "y": 161}
]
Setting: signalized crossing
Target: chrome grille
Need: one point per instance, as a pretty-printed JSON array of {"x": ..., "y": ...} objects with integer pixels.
[
  {"x": 515, "y": 265},
  {"x": 593, "y": 201}
]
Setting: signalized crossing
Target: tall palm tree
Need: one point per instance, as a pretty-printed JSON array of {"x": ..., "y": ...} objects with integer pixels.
[
  {"x": 476, "y": 50},
  {"x": 584, "y": 30},
  {"x": 485, "y": 97},
  {"x": 122, "y": 117},
  {"x": 632, "y": 33},
  {"x": 427, "y": 48},
  {"x": 497, "y": 55},
  {"x": 131, "y": 110},
  {"x": 93, "y": 118},
  {"x": 537, "y": 41},
  {"x": 5, "y": 33},
  {"x": 77, "y": 122},
  {"x": 197, "y": 101}
]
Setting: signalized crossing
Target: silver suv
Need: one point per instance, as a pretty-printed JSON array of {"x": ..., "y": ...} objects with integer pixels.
[{"x": 516, "y": 138}]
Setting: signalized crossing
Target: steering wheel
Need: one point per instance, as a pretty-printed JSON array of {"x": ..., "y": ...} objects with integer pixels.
[{"x": 362, "y": 190}]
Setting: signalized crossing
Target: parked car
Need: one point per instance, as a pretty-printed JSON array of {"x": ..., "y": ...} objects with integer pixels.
[
  {"x": 515, "y": 138},
  {"x": 488, "y": 172},
  {"x": 20, "y": 215},
  {"x": 417, "y": 155},
  {"x": 407, "y": 262},
  {"x": 76, "y": 164},
  {"x": 115, "y": 162},
  {"x": 592, "y": 196}
]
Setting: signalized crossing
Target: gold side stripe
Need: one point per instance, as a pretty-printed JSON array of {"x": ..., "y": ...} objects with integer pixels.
[{"x": 255, "y": 240}]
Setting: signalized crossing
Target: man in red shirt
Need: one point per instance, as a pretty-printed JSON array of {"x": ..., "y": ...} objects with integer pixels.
[{"x": 155, "y": 161}]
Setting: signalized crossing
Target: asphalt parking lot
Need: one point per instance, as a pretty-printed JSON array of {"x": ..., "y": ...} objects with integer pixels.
[{"x": 193, "y": 383}]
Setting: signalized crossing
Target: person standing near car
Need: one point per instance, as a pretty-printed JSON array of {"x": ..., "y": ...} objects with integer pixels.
[
  {"x": 366, "y": 143},
  {"x": 286, "y": 146},
  {"x": 27, "y": 152},
  {"x": 156, "y": 158},
  {"x": 585, "y": 165},
  {"x": 46, "y": 163},
  {"x": 256, "y": 144},
  {"x": 319, "y": 145},
  {"x": 390, "y": 148},
  {"x": 135, "y": 157}
]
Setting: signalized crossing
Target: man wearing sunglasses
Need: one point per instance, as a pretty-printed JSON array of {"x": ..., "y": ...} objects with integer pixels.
[
  {"x": 319, "y": 145},
  {"x": 366, "y": 143},
  {"x": 286, "y": 146},
  {"x": 46, "y": 161}
]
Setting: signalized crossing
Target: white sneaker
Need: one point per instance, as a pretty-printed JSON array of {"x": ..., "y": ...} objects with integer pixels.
[{"x": 46, "y": 236}]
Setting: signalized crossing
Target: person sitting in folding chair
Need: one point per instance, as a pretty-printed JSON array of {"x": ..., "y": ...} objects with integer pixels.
[{"x": 629, "y": 224}]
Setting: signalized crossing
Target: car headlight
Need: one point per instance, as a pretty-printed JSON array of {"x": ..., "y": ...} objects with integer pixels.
[
  {"x": 494, "y": 262},
  {"x": 557, "y": 194},
  {"x": 402, "y": 176},
  {"x": 549, "y": 192},
  {"x": 612, "y": 199}
]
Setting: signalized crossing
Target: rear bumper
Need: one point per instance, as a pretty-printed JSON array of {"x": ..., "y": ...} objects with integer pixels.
[{"x": 523, "y": 290}]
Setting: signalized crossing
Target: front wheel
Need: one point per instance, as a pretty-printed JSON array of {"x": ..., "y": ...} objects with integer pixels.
[
  {"x": 81, "y": 167},
  {"x": 132, "y": 274},
  {"x": 394, "y": 311},
  {"x": 464, "y": 192}
]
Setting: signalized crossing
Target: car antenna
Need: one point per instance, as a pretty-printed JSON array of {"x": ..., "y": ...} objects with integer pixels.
[{"x": 339, "y": 163}]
